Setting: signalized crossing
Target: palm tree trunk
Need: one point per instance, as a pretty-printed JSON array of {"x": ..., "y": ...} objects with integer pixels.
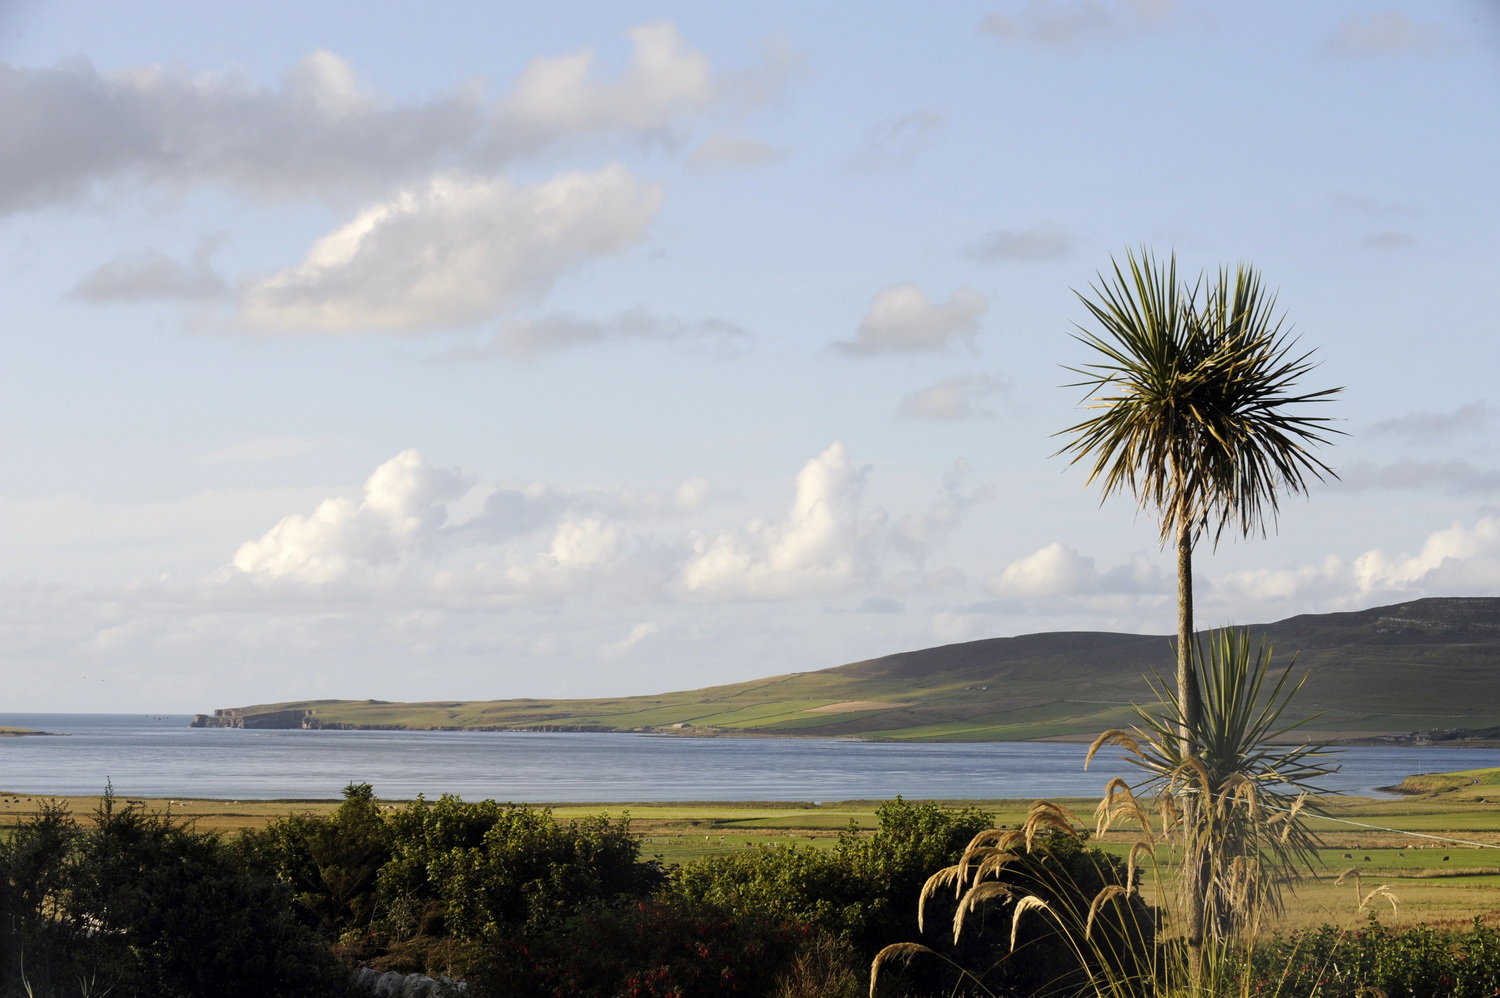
[{"x": 1195, "y": 861}]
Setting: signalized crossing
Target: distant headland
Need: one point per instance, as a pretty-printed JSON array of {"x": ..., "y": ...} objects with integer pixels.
[{"x": 1424, "y": 672}]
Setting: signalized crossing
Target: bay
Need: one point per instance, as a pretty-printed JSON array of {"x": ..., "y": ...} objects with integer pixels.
[{"x": 160, "y": 756}]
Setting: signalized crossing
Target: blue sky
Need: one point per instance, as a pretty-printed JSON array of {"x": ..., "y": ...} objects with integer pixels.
[{"x": 590, "y": 349}]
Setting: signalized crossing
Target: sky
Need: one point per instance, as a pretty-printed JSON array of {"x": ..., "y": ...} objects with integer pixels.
[{"x": 491, "y": 350}]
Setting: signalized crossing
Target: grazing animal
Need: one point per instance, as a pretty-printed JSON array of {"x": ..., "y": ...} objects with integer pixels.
[
  {"x": 1445, "y": 859},
  {"x": 1347, "y": 856},
  {"x": 1367, "y": 859}
]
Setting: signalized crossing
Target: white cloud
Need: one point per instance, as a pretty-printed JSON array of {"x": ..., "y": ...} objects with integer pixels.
[
  {"x": 1054, "y": 570},
  {"x": 527, "y": 338},
  {"x": 452, "y": 251},
  {"x": 558, "y": 96},
  {"x": 1386, "y": 33},
  {"x": 1063, "y": 22},
  {"x": 1059, "y": 571},
  {"x": 397, "y": 519},
  {"x": 1458, "y": 560},
  {"x": 72, "y": 131},
  {"x": 425, "y": 535},
  {"x": 822, "y": 545},
  {"x": 1047, "y": 242},
  {"x": 902, "y": 319},
  {"x": 953, "y": 398},
  {"x": 150, "y": 274},
  {"x": 894, "y": 143}
]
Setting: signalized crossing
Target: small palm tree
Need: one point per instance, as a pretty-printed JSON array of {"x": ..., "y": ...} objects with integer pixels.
[
  {"x": 1199, "y": 415},
  {"x": 1251, "y": 788}
]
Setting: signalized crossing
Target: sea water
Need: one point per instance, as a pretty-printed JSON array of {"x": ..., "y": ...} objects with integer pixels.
[{"x": 143, "y": 755}]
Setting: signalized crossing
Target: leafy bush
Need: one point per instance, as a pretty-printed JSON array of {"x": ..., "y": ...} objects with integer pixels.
[
  {"x": 651, "y": 949},
  {"x": 1029, "y": 911},
  {"x": 469, "y": 869},
  {"x": 1415, "y": 963},
  {"x": 139, "y": 904},
  {"x": 864, "y": 889},
  {"x": 330, "y": 863}
]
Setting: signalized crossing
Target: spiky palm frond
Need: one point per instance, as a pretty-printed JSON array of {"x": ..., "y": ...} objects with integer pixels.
[{"x": 1198, "y": 412}]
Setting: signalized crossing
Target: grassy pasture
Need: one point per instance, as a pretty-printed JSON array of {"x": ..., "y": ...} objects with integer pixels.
[{"x": 1435, "y": 881}]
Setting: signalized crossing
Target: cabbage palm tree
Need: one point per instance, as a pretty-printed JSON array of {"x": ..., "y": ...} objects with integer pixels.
[{"x": 1198, "y": 412}]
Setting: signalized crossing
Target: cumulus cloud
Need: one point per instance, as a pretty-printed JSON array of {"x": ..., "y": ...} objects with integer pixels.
[
  {"x": 452, "y": 251},
  {"x": 528, "y": 338},
  {"x": 398, "y": 517},
  {"x": 822, "y": 545},
  {"x": 1063, "y": 22},
  {"x": 320, "y": 131},
  {"x": 1388, "y": 33},
  {"x": 892, "y": 144},
  {"x": 1057, "y": 570},
  {"x": 1471, "y": 417},
  {"x": 432, "y": 537},
  {"x": 953, "y": 398},
  {"x": 1045, "y": 243},
  {"x": 1458, "y": 560},
  {"x": 902, "y": 319},
  {"x": 151, "y": 274},
  {"x": 557, "y": 97},
  {"x": 1454, "y": 476}
]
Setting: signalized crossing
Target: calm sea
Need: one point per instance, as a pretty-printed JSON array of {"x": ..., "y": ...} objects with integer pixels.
[{"x": 160, "y": 756}]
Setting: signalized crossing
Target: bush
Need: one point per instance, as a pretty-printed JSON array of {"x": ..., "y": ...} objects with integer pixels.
[
  {"x": 650, "y": 949},
  {"x": 469, "y": 870},
  {"x": 863, "y": 890},
  {"x": 139, "y": 904},
  {"x": 330, "y": 863},
  {"x": 1415, "y": 963}
]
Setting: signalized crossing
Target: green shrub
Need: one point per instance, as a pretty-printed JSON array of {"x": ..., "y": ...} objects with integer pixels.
[
  {"x": 468, "y": 870},
  {"x": 330, "y": 863},
  {"x": 650, "y": 949},
  {"x": 1422, "y": 962},
  {"x": 139, "y": 904}
]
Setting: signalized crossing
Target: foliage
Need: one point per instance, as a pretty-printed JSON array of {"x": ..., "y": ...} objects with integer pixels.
[
  {"x": 651, "y": 949},
  {"x": 1196, "y": 392},
  {"x": 138, "y": 904},
  {"x": 1421, "y": 962},
  {"x": 331, "y": 863},
  {"x": 469, "y": 869},
  {"x": 1031, "y": 911},
  {"x": 857, "y": 890},
  {"x": 1246, "y": 835}
]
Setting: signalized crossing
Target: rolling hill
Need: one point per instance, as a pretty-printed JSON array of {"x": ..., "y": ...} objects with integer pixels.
[{"x": 1431, "y": 664}]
